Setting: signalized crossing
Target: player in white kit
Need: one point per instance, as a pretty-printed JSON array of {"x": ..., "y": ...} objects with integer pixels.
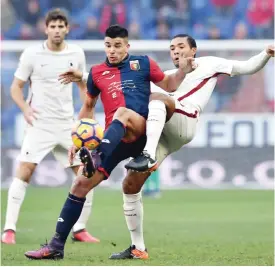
[
  {"x": 49, "y": 114},
  {"x": 188, "y": 101},
  {"x": 181, "y": 108}
]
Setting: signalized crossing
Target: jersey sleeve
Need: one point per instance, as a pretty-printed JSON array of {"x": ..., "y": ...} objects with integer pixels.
[
  {"x": 25, "y": 66},
  {"x": 92, "y": 90},
  {"x": 156, "y": 74},
  {"x": 222, "y": 65}
]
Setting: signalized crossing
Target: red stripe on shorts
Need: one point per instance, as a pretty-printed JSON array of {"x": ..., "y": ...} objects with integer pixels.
[{"x": 191, "y": 115}]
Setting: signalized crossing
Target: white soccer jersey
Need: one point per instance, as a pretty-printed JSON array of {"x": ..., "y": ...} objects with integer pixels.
[
  {"x": 194, "y": 93},
  {"x": 41, "y": 67},
  {"x": 198, "y": 85}
]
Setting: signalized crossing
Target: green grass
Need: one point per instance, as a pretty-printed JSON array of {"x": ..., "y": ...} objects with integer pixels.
[{"x": 181, "y": 228}]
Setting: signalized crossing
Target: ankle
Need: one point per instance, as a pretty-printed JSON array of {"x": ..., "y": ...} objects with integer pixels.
[{"x": 57, "y": 242}]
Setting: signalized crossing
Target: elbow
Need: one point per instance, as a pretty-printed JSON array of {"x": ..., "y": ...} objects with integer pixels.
[
  {"x": 247, "y": 72},
  {"x": 253, "y": 71},
  {"x": 174, "y": 81},
  {"x": 250, "y": 70},
  {"x": 169, "y": 85},
  {"x": 168, "y": 89},
  {"x": 171, "y": 90},
  {"x": 13, "y": 92},
  {"x": 88, "y": 107}
]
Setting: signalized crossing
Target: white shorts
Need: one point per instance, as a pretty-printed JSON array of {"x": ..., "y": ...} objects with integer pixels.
[
  {"x": 41, "y": 140},
  {"x": 178, "y": 131}
]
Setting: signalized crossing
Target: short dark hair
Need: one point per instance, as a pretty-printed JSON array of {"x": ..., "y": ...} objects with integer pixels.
[
  {"x": 191, "y": 41},
  {"x": 115, "y": 31},
  {"x": 56, "y": 14}
]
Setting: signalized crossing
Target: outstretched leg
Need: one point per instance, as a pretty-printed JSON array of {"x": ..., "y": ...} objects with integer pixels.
[{"x": 68, "y": 217}]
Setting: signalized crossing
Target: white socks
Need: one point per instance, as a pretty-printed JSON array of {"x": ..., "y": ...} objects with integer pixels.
[
  {"x": 16, "y": 196},
  {"x": 85, "y": 214},
  {"x": 133, "y": 211},
  {"x": 154, "y": 126}
]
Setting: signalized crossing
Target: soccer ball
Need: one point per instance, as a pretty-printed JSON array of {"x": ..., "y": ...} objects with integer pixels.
[{"x": 88, "y": 133}]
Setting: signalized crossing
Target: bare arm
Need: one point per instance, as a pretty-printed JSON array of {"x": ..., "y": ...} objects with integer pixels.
[
  {"x": 171, "y": 82},
  {"x": 17, "y": 93},
  {"x": 82, "y": 90},
  {"x": 254, "y": 64},
  {"x": 18, "y": 97},
  {"x": 88, "y": 108}
]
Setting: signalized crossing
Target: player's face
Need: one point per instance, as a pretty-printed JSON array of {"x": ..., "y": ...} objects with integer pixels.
[
  {"x": 116, "y": 49},
  {"x": 56, "y": 31},
  {"x": 180, "y": 46}
]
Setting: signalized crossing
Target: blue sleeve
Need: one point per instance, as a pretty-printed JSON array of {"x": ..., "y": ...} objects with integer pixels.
[{"x": 93, "y": 91}]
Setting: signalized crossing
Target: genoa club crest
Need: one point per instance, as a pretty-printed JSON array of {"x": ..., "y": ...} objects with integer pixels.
[{"x": 134, "y": 65}]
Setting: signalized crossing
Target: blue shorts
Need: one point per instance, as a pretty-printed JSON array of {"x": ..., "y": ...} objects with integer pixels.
[{"x": 122, "y": 152}]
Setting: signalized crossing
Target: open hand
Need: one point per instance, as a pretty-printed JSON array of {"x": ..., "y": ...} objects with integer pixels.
[
  {"x": 70, "y": 76},
  {"x": 30, "y": 114}
]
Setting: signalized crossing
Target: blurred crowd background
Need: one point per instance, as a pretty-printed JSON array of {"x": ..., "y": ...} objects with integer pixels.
[
  {"x": 146, "y": 19},
  {"x": 149, "y": 19}
]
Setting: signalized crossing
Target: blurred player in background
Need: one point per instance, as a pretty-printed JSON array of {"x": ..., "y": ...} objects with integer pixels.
[
  {"x": 49, "y": 114},
  {"x": 123, "y": 81}
]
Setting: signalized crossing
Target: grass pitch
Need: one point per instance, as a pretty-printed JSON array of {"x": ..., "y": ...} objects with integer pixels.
[{"x": 181, "y": 228}]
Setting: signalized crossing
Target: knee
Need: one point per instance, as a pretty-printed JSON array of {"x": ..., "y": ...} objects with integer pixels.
[
  {"x": 165, "y": 99},
  {"x": 133, "y": 182},
  {"x": 82, "y": 186},
  {"x": 79, "y": 188},
  {"x": 164, "y": 102},
  {"x": 121, "y": 111},
  {"x": 25, "y": 171},
  {"x": 122, "y": 114},
  {"x": 130, "y": 187}
]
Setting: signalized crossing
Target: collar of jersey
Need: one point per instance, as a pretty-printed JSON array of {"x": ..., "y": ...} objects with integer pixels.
[
  {"x": 45, "y": 47},
  {"x": 120, "y": 64}
]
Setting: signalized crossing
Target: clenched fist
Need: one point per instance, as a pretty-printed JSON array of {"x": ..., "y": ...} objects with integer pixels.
[{"x": 270, "y": 50}]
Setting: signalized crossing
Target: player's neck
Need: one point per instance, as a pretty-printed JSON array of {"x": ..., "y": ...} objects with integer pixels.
[
  {"x": 126, "y": 55},
  {"x": 55, "y": 48}
]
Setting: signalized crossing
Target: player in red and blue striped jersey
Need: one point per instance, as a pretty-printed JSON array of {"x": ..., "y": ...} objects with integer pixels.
[{"x": 123, "y": 81}]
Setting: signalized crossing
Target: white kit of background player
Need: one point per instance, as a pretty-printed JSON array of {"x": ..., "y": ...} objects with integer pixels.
[{"x": 49, "y": 113}]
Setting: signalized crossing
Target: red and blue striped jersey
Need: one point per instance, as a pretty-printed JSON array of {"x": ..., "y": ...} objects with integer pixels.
[{"x": 124, "y": 85}]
